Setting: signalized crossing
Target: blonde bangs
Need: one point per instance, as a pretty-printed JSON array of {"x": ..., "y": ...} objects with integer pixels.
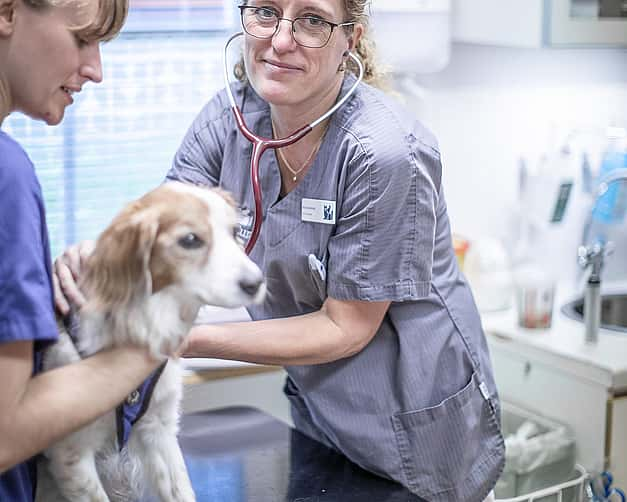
[
  {"x": 107, "y": 22},
  {"x": 105, "y": 25}
]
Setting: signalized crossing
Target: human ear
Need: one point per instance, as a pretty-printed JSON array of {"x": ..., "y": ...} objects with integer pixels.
[
  {"x": 7, "y": 17},
  {"x": 353, "y": 40}
]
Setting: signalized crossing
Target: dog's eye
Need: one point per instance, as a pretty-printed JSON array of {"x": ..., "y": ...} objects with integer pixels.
[{"x": 190, "y": 241}]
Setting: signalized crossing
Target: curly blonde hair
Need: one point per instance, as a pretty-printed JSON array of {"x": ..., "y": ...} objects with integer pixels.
[
  {"x": 105, "y": 25},
  {"x": 356, "y": 11}
]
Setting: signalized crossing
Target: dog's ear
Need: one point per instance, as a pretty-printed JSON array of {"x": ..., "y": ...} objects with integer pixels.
[
  {"x": 227, "y": 196},
  {"x": 118, "y": 270}
]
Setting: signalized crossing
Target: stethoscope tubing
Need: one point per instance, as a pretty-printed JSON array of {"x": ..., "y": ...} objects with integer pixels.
[{"x": 261, "y": 144}]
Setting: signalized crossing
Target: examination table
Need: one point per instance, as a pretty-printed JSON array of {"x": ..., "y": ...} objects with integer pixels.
[{"x": 241, "y": 454}]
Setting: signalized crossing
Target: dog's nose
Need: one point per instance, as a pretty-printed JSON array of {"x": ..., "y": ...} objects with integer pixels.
[{"x": 250, "y": 287}]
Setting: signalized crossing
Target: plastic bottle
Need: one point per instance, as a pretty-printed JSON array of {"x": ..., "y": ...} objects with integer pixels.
[{"x": 612, "y": 205}]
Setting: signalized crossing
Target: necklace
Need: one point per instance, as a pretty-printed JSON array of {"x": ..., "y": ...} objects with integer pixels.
[{"x": 296, "y": 172}]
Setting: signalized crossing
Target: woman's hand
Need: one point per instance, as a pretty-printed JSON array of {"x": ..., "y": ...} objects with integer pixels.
[{"x": 65, "y": 276}]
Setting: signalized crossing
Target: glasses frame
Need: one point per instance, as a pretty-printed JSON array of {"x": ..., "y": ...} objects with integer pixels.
[{"x": 243, "y": 8}]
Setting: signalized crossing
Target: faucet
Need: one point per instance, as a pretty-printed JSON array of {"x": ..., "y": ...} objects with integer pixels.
[{"x": 593, "y": 256}]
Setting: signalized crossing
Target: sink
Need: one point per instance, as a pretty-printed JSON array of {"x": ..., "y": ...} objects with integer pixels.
[{"x": 613, "y": 311}]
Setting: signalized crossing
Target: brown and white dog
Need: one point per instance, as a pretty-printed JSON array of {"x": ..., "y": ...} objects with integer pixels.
[{"x": 162, "y": 258}]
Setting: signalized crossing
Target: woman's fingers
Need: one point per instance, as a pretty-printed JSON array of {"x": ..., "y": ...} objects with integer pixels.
[
  {"x": 71, "y": 259},
  {"x": 67, "y": 271},
  {"x": 68, "y": 290},
  {"x": 59, "y": 299}
]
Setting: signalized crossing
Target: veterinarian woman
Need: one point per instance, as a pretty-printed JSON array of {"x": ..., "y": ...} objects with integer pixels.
[
  {"x": 366, "y": 307},
  {"x": 48, "y": 50}
]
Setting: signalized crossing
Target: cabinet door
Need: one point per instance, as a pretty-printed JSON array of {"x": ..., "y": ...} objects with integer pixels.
[
  {"x": 510, "y": 23},
  {"x": 555, "y": 394},
  {"x": 617, "y": 440},
  {"x": 570, "y": 25},
  {"x": 537, "y": 23}
]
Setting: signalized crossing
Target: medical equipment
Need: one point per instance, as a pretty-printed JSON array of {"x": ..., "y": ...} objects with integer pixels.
[
  {"x": 261, "y": 144},
  {"x": 600, "y": 489}
]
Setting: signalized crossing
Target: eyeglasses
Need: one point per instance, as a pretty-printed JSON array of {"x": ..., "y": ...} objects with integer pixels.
[{"x": 309, "y": 31}]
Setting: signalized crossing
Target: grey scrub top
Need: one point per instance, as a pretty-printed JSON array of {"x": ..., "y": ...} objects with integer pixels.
[{"x": 418, "y": 404}]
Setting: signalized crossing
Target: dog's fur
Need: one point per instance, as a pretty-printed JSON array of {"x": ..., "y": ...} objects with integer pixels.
[{"x": 162, "y": 258}]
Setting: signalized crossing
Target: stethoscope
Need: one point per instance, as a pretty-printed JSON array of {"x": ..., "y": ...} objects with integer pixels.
[{"x": 261, "y": 144}]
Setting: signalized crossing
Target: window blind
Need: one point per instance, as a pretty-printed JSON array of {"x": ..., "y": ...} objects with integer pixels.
[{"x": 119, "y": 137}]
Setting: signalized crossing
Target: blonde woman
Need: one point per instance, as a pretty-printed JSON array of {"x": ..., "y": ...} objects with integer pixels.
[{"x": 49, "y": 49}]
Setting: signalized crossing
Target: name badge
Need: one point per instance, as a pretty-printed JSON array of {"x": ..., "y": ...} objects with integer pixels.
[{"x": 318, "y": 211}]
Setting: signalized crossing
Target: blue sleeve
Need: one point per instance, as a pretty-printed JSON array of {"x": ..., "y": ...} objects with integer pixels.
[{"x": 26, "y": 304}]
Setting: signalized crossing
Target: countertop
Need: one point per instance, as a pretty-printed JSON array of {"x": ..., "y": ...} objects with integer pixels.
[
  {"x": 241, "y": 454},
  {"x": 563, "y": 343}
]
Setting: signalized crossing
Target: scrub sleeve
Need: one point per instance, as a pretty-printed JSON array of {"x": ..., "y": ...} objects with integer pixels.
[{"x": 26, "y": 305}]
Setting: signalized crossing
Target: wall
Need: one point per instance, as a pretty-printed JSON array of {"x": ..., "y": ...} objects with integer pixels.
[{"x": 492, "y": 104}]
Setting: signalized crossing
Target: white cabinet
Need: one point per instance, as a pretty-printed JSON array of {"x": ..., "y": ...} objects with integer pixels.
[
  {"x": 425, "y": 22},
  {"x": 617, "y": 454},
  {"x": 538, "y": 23},
  {"x": 258, "y": 386},
  {"x": 593, "y": 411}
]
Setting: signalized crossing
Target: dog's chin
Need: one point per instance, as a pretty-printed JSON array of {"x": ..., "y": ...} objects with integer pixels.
[{"x": 232, "y": 301}]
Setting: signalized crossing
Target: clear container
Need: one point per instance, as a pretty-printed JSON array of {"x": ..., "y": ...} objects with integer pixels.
[
  {"x": 535, "y": 305},
  {"x": 535, "y": 295}
]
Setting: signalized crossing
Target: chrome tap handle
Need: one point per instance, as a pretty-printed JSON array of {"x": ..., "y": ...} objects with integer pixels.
[
  {"x": 585, "y": 254},
  {"x": 593, "y": 256}
]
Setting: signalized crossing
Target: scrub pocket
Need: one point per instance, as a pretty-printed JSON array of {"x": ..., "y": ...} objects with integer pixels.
[{"x": 452, "y": 451}]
